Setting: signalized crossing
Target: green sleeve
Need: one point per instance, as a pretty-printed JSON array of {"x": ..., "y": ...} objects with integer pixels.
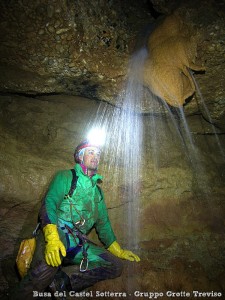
[
  {"x": 53, "y": 198},
  {"x": 103, "y": 226}
]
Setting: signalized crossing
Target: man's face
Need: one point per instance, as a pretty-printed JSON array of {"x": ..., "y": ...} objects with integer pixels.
[{"x": 91, "y": 158}]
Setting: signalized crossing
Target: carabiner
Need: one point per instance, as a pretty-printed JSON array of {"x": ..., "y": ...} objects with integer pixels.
[
  {"x": 84, "y": 259},
  {"x": 35, "y": 232},
  {"x": 80, "y": 222}
]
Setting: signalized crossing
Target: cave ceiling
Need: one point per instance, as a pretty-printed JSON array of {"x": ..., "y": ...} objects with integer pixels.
[{"x": 83, "y": 48}]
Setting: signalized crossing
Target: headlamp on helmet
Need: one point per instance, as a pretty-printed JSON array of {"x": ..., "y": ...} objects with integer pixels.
[
  {"x": 96, "y": 138},
  {"x": 81, "y": 148}
]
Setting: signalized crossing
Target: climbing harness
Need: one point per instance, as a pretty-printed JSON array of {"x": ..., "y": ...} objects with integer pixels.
[
  {"x": 75, "y": 231},
  {"x": 81, "y": 245},
  {"x": 73, "y": 184}
]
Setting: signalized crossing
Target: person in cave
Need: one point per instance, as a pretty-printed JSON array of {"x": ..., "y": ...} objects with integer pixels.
[{"x": 72, "y": 207}]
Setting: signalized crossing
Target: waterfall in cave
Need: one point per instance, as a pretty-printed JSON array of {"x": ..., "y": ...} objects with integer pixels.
[
  {"x": 123, "y": 155},
  {"x": 170, "y": 125},
  {"x": 123, "y": 147},
  {"x": 207, "y": 116}
]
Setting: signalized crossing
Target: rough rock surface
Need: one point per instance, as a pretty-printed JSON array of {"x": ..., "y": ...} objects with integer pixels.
[
  {"x": 181, "y": 201},
  {"x": 165, "y": 74},
  {"x": 51, "y": 56},
  {"x": 83, "y": 49},
  {"x": 70, "y": 47},
  {"x": 208, "y": 17}
]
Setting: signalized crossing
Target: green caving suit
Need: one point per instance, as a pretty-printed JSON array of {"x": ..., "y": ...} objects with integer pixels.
[{"x": 86, "y": 204}]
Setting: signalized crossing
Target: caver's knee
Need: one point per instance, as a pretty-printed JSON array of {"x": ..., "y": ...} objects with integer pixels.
[
  {"x": 118, "y": 267},
  {"x": 38, "y": 278},
  {"x": 42, "y": 274},
  {"x": 116, "y": 264}
]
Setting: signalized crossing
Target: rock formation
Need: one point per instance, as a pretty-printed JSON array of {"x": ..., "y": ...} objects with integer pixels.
[
  {"x": 65, "y": 62},
  {"x": 172, "y": 48}
]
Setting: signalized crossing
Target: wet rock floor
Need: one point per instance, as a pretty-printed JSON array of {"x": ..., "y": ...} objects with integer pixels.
[{"x": 187, "y": 268}]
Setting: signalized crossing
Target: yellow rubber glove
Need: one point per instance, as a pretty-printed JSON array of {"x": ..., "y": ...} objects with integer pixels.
[
  {"x": 53, "y": 246},
  {"x": 116, "y": 250}
]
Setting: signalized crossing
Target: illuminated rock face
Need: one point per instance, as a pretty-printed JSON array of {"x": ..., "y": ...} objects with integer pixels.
[
  {"x": 83, "y": 50},
  {"x": 172, "y": 52},
  {"x": 181, "y": 230},
  {"x": 79, "y": 47}
]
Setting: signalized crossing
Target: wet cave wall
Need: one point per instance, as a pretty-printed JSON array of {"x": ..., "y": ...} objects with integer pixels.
[{"x": 62, "y": 60}]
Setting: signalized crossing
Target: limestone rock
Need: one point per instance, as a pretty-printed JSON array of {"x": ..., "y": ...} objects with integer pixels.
[
  {"x": 54, "y": 54},
  {"x": 165, "y": 73},
  {"x": 85, "y": 49}
]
